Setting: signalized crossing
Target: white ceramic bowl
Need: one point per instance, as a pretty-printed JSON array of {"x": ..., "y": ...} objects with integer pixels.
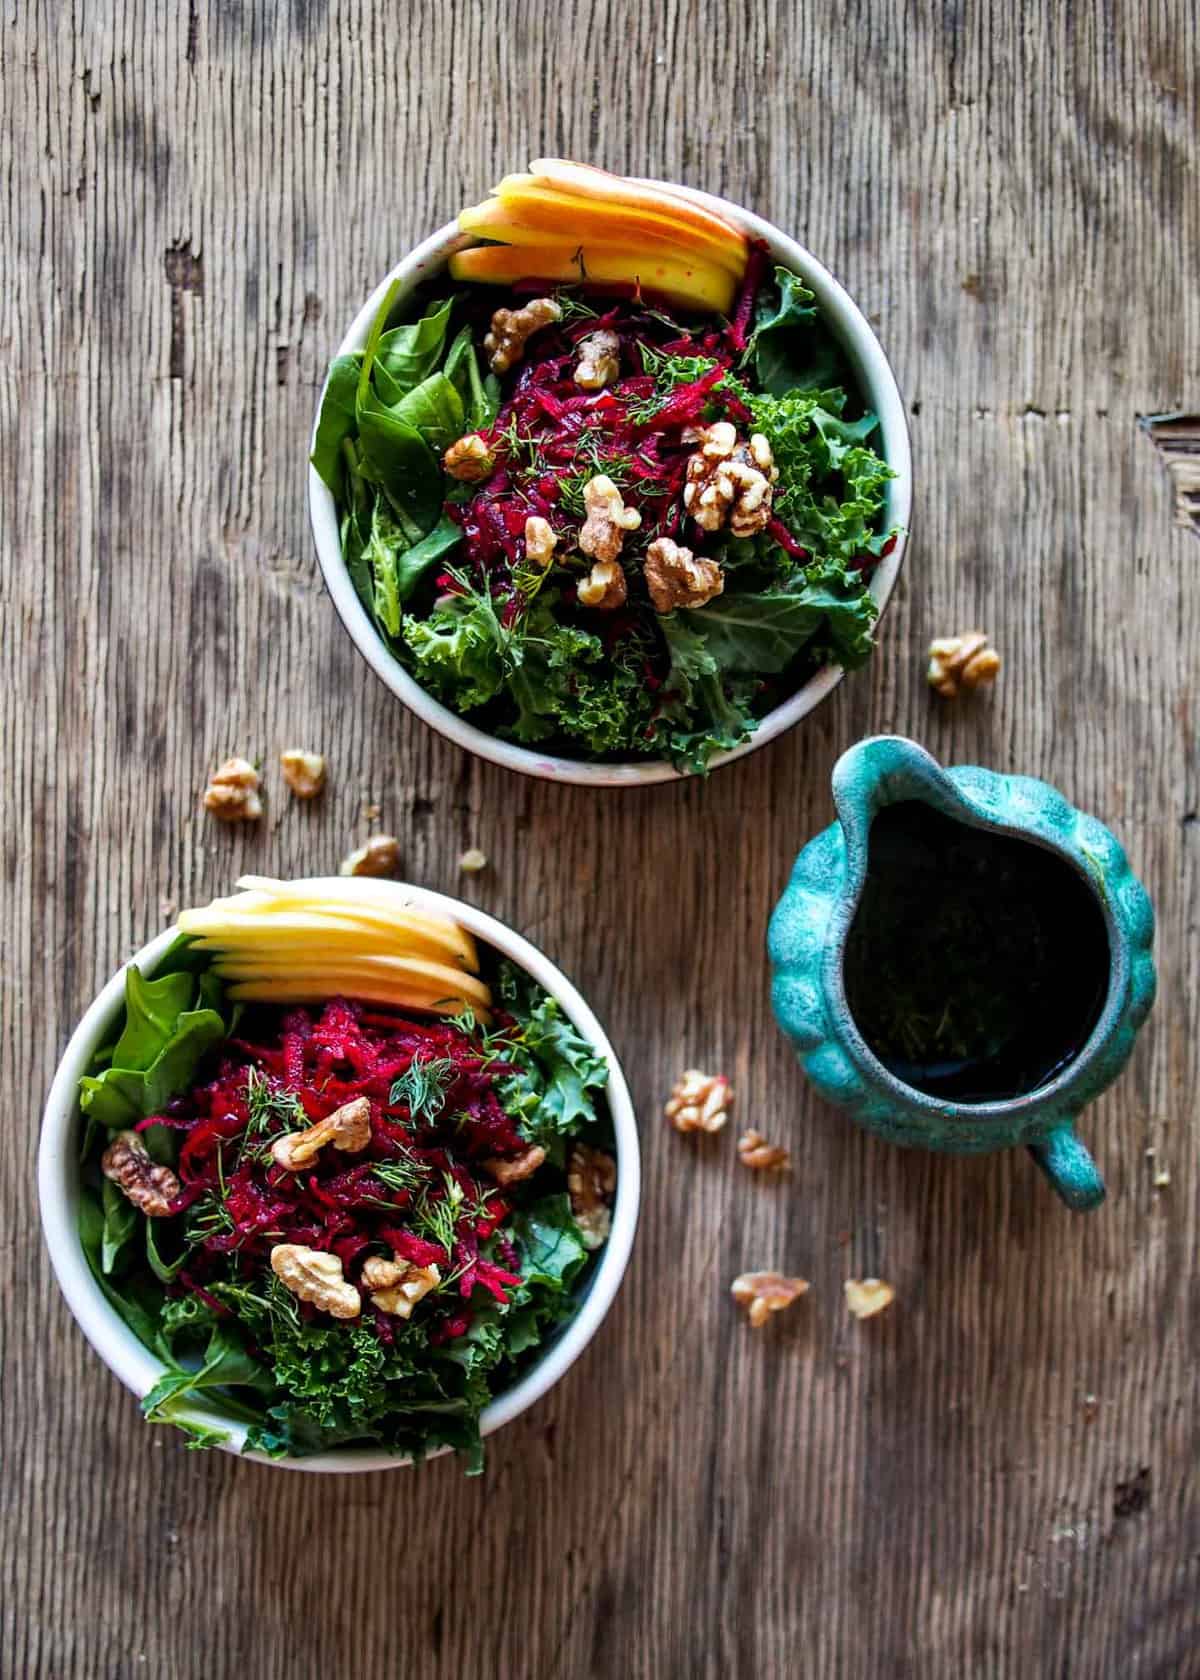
[
  {"x": 137, "y": 1367},
  {"x": 879, "y": 388}
]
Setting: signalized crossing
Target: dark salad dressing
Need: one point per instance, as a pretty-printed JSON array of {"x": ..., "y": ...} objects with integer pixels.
[{"x": 977, "y": 964}]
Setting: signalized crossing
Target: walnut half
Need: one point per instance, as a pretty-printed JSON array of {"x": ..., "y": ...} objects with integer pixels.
[
  {"x": 867, "y": 1296},
  {"x": 599, "y": 360},
  {"x": 148, "y": 1186},
  {"x": 304, "y": 772},
  {"x": 520, "y": 1166},
  {"x": 380, "y": 856},
  {"x": 764, "y": 1293},
  {"x": 728, "y": 480},
  {"x": 961, "y": 662},
  {"x": 591, "y": 1183},
  {"x": 232, "y": 792},
  {"x": 607, "y": 520},
  {"x": 677, "y": 578},
  {"x": 505, "y": 344},
  {"x": 470, "y": 459},
  {"x": 397, "y": 1285},
  {"x": 699, "y": 1102},
  {"x": 315, "y": 1276},
  {"x": 754, "y": 1151},
  {"x": 348, "y": 1128}
]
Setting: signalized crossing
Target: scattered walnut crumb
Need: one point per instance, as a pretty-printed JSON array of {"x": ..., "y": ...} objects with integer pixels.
[
  {"x": 371, "y": 813},
  {"x": 764, "y": 1293},
  {"x": 380, "y": 856},
  {"x": 961, "y": 662},
  {"x": 470, "y": 459},
  {"x": 867, "y": 1296},
  {"x": 677, "y": 578},
  {"x": 699, "y": 1102},
  {"x": 607, "y": 520},
  {"x": 313, "y": 1275},
  {"x": 540, "y": 541},
  {"x": 728, "y": 480},
  {"x": 397, "y": 1285},
  {"x": 518, "y": 1167},
  {"x": 599, "y": 360},
  {"x": 142, "y": 1181},
  {"x": 472, "y": 861},
  {"x": 505, "y": 344},
  {"x": 1162, "y": 1178},
  {"x": 232, "y": 792},
  {"x": 591, "y": 1182},
  {"x": 755, "y": 1151},
  {"x": 348, "y": 1128},
  {"x": 304, "y": 772}
]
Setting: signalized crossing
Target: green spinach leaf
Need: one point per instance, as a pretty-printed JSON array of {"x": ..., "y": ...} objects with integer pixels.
[
  {"x": 120, "y": 1221},
  {"x": 435, "y": 409},
  {"x": 337, "y": 421}
]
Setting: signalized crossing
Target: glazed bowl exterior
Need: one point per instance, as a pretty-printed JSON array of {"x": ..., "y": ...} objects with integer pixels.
[
  {"x": 811, "y": 922},
  {"x": 139, "y": 1369},
  {"x": 879, "y": 390}
]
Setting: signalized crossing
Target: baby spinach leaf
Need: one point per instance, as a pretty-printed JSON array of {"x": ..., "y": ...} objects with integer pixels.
[
  {"x": 397, "y": 457},
  {"x": 137, "y": 1303},
  {"x": 164, "y": 1270},
  {"x": 435, "y": 409},
  {"x": 227, "y": 1364},
  {"x": 152, "y": 1008},
  {"x": 417, "y": 560},
  {"x": 480, "y": 397},
  {"x": 406, "y": 355},
  {"x": 120, "y": 1219},
  {"x": 120, "y": 1097},
  {"x": 336, "y": 422}
]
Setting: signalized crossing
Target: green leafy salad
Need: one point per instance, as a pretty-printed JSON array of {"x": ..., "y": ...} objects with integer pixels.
[
  {"x": 633, "y": 541},
  {"x": 341, "y": 1224}
]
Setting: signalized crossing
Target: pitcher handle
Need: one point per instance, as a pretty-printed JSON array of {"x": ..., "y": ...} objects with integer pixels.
[{"x": 1070, "y": 1169}]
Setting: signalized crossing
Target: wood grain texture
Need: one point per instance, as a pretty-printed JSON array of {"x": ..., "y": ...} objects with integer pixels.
[{"x": 998, "y": 1476}]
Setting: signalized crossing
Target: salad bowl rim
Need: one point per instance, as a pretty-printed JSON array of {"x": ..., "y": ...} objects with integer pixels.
[
  {"x": 58, "y": 1179},
  {"x": 879, "y": 389}
]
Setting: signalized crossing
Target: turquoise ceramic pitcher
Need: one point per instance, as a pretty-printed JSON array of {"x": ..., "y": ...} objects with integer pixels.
[{"x": 1041, "y": 899}]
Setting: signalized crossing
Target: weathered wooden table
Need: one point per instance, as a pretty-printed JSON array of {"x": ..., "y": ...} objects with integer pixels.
[{"x": 998, "y": 1476}]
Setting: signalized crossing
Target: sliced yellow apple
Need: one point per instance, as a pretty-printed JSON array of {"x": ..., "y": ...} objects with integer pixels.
[
  {"x": 566, "y": 176},
  {"x": 277, "y": 989},
  {"x": 304, "y": 941},
  {"x": 693, "y": 285},
  {"x": 415, "y": 972},
  {"x": 384, "y": 902},
  {"x": 538, "y": 214}
]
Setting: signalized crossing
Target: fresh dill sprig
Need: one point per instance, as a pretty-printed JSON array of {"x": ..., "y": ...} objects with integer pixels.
[
  {"x": 270, "y": 1106},
  {"x": 574, "y": 308},
  {"x": 209, "y": 1217},
  {"x": 423, "y": 1086},
  {"x": 669, "y": 371},
  {"x": 435, "y": 1219},
  {"x": 404, "y": 1173}
]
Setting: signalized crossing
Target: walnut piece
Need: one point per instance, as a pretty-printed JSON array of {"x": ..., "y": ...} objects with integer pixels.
[
  {"x": 607, "y": 520},
  {"x": 313, "y": 1275},
  {"x": 148, "y": 1186},
  {"x": 472, "y": 861},
  {"x": 471, "y": 459},
  {"x": 958, "y": 662},
  {"x": 505, "y": 344},
  {"x": 676, "y": 578},
  {"x": 232, "y": 792},
  {"x": 304, "y": 772},
  {"x": 754, "y": 1151},
  {"x": 599, "y": 360},
  {"x": 699, "y": 1102},
  {"x": 540, "y": 541},
  {"x": 604, "y": 588},
  {"x": 518, "y": 1167},
  {"x": 729, "y": 480},
  {"x": 867, "y": 1296},
  {"x": 764, "y": 1293},
  {"x": 591, "y": 1183},
  {"x": 397, "y": 1285},
  {"x": 348, "y": 1128},
  {"x": 380, "y": 856}
]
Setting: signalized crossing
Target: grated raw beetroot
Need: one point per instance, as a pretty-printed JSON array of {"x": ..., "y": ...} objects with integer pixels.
[{"x": 340, "y": 1202}]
